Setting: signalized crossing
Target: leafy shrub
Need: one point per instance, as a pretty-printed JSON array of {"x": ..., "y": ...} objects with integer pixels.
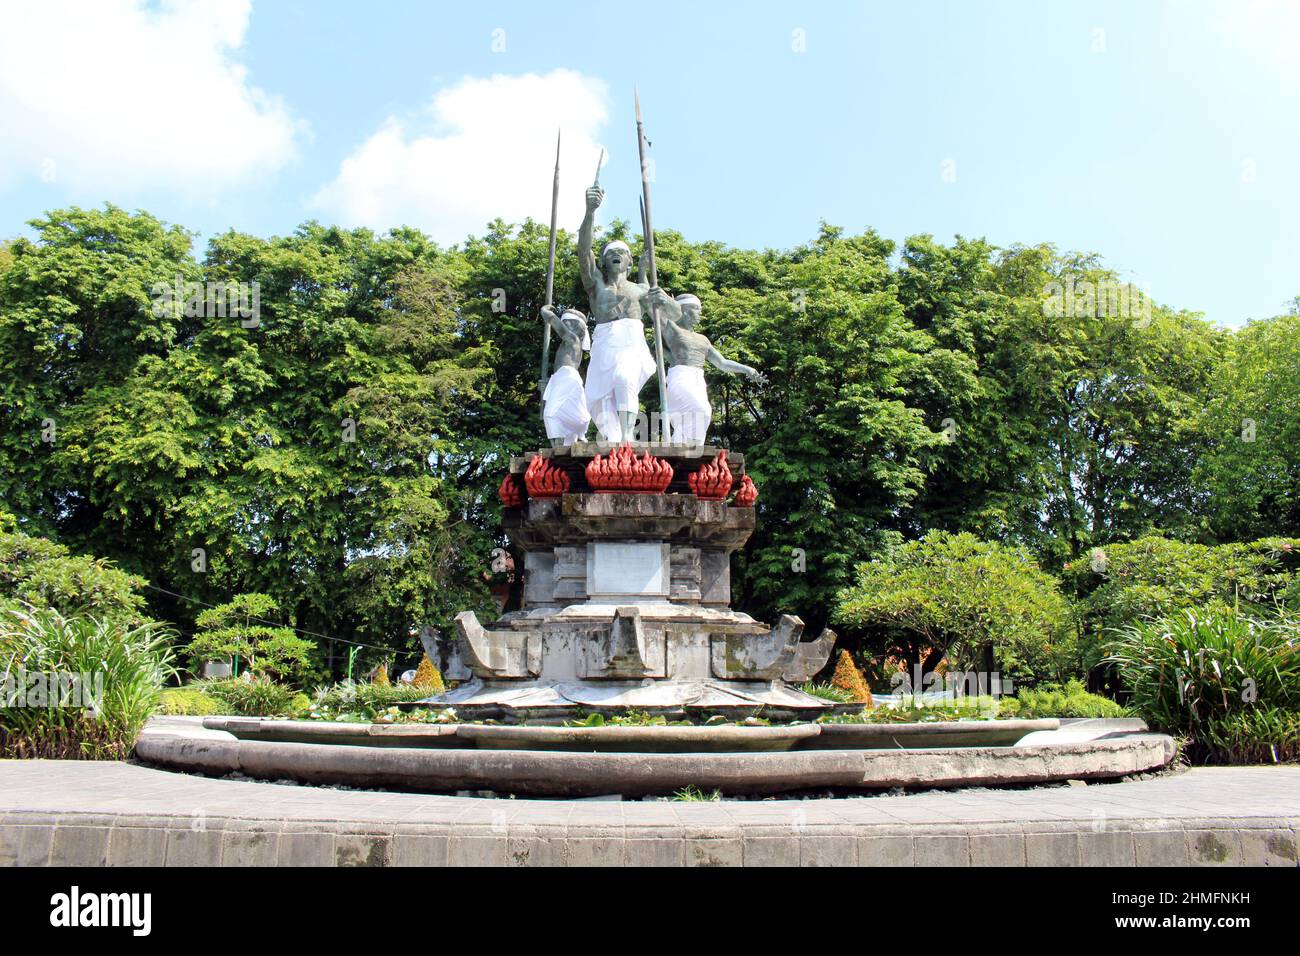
[
  {"x": 41, "y": 573},
  {"x": 255, "y": 697},
  {"x": 189, "y": 702},
  {"x": 365, "y": 701},
  {"x": 1051, "y": 700},
  {"x": 240, "y": 629},
  {"x": 1215, "y": 677},
  {"x": 952, "y": 595},
  {"x": 1129, "y": 582},
  {"x": 119, "y": 670}
]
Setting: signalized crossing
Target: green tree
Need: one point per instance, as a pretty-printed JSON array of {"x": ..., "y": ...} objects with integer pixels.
[
  {"x": 76, "y": 314},
  {"x": 953, "y": 596},
  {"x": 1249, "y": 476},
  {"x": 832, "y": 440},
  {"x": 244, "y": 631},
  {"x": 1082, "y": 426}
]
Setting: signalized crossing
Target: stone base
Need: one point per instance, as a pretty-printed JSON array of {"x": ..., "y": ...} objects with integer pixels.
[
  {"x": 625, "y": 604},
  {"x": 695, "y": 700}
]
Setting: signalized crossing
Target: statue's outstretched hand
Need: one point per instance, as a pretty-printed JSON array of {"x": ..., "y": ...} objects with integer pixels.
[
  {"x": 757, "y": 377},
  {"x": 595, "y": 196}
]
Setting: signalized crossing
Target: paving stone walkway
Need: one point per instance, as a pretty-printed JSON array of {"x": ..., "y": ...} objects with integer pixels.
[{"x": 84, "y": 813}]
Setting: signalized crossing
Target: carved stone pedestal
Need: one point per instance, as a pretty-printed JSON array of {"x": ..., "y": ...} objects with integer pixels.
[{"x": 627, "y": 604}]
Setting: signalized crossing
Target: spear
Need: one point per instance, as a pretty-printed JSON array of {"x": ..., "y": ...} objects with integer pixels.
[
  {"x": 640, "y": 205},
  {"x": 550, "y": 270},
  {"x": 648, "y": 225}
]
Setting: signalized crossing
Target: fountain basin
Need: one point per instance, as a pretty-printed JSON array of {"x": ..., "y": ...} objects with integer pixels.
[
  {"x": 723, "y": 738},
  {"x": 452, "y": 767}
]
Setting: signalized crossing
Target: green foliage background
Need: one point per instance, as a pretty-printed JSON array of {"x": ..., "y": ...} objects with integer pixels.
[{"x": 909, "y": 388}]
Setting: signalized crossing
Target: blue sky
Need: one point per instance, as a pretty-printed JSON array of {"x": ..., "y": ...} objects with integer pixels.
[{"x": 1162, "y": 135}]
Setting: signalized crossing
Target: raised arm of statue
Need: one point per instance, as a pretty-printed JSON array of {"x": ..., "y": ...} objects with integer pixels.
[
  {"x": 553, "y": 319},
  {"x": 667, "y": 306},
  {"x": 586, "y": 257},
  {"x": 734, "y": 368}
]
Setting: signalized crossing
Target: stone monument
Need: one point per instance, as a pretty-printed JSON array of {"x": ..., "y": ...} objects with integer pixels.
[{"x": 626, "y": 545}]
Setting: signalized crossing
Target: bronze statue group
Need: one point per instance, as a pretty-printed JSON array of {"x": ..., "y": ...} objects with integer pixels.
[{"x": 621, "y": 362}]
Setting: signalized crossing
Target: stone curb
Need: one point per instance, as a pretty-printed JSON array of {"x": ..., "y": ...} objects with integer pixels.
[
  {"x": 110, "y": 813},
  {"x": 40, "y": 839}
]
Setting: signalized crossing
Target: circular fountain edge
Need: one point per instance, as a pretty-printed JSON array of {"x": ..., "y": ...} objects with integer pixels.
[{"x": 550, "y": 773}]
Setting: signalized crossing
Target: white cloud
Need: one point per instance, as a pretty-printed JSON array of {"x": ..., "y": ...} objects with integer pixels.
[
  {"x": 109, "y": 95},
  {"x": 489, "y": 151}
]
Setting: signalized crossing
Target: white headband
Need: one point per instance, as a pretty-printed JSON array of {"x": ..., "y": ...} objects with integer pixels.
[
  {"x": 586, "y": 332},
  {"x": 615, "y": 244}
]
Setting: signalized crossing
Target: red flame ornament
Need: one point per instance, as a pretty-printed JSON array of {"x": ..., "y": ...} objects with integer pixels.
[
  {"x": 509, "y": 492},
  {"x": 747, "y": 494},
  {"x": 624, "y": 473},
  {"x": 713, "y": 481},
  {"x": 544, "y": 480}
]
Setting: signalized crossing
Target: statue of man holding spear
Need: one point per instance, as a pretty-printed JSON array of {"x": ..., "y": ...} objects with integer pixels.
[
  {"x": 621, "y": 362},
  {"x": 564, "y": 404}
]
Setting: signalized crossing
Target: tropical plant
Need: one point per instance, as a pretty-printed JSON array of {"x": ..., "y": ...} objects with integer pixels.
[
  {"x": 1052, "y": 700},
  {"x": 77, "y": 687},
  {"x": 249, "y": 696},
  {"x": 1209, "y": 675}
]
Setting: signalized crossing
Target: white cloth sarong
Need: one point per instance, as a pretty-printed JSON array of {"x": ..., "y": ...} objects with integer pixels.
[
  {"x": 689, "y": 411},
  {"x": 564, "y": 408},
  {"x": 620, "y": 366}
]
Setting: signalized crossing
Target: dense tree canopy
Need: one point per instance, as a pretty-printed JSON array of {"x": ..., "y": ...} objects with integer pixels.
[
  {"x": 1250, "y": 474},
  {"x": 338, "y": 451}
]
